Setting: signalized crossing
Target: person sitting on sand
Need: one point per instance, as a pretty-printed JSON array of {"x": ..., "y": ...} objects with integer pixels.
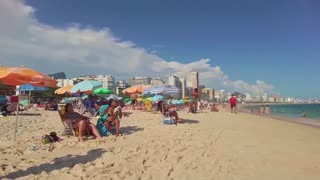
[
  {"x": 171, "y": 112},
  {"x": 114, "y": 115},
  {"x": 214, "y": 108},
  {"x": 79, "y": 122}
]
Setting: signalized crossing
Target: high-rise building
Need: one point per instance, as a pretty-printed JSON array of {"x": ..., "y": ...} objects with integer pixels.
[
  {"x": 156, "y": 81},
  {"x": 108, "y": 82},
  {"x": 248, "y": 97},
  {"x": 183, "y": 87},
  {"x": 193, "y": 79},
  {"x": 135, "y": 81},
  {"x": 121, "y": 85},
  {"x": 174, "y": 81},
  {"x": 265, "y": 98},
  {"x": 207, "y": 94}
]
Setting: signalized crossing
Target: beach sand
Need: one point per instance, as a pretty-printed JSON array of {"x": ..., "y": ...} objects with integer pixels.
[{"x": 205, "y": 146}]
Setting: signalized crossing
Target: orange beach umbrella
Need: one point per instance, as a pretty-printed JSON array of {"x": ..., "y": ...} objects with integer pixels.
[
  {"x": 17, "y": 76},
  {"x": 63, "y": 89},
  {"x": 135, "y": 89}
]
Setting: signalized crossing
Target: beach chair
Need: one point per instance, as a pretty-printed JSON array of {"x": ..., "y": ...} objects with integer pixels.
[
  {"x": 68, "y": 130},
  {"x": 26, "y": 105}
]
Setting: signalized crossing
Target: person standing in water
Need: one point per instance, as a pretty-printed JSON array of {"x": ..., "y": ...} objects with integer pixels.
[
  {"x": 303, "y": 115},
  {"x": 267, "y": 111}
]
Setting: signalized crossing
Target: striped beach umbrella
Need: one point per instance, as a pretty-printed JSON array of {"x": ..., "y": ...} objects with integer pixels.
[{"x": 162, "y": 89}]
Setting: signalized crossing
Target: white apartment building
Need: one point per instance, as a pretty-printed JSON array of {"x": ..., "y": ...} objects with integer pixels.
[
  {"x": 64, "y": 82},
  {"x": 193, "y": 79},
  {"x": 107, "y": 81}
]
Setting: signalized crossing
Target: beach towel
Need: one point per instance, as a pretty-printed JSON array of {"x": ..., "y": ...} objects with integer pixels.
[{"x": 100, "y": 123}]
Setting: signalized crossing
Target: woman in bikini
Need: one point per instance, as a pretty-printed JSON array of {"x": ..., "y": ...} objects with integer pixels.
[
  {"x": 79, "y": 122},
  {"x": 114, "y": 115}
]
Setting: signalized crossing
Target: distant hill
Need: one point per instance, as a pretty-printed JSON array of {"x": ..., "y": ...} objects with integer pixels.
[{"x": 59, "y": 75}]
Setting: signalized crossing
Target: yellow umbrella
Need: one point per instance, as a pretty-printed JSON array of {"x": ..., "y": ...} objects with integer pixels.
[{"x": 63, "y": 89}]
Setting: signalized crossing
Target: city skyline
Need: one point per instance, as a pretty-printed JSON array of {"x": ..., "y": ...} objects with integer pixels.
[{"x": 249, "y": 46}]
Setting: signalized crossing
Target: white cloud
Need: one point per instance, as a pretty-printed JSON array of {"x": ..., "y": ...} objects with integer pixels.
[{"x": 85, "y": 50}]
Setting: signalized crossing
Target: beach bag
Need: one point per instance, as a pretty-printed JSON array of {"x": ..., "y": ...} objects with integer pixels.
[
  {"x": 46, "y": 139},
  {"x": 168, "y": 121}
]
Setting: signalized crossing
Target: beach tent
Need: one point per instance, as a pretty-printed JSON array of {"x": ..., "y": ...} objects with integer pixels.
[{"x": 18, "y": 76}]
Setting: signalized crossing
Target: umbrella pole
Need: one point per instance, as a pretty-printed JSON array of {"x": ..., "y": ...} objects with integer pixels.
[{"x": 17, "y": 115}]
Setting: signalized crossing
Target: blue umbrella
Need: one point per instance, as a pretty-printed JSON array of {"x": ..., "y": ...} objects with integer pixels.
[
  {"x": 161, "y": 89},
  {"x": 157, "y": 98},
  {"x": 178, "y": 102},
  {"x": 86, "y": 86},
  {"x": 29, "y": 87}
]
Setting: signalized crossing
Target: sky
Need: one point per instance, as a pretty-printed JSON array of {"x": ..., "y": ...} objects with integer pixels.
[{"x": 248, "y": 46}]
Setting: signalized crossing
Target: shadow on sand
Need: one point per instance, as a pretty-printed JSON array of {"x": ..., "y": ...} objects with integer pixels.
[
  {"x": 59, "y": 163},
  {"x": 188, "y": 121},
  {"x": 130, "y": 130}
]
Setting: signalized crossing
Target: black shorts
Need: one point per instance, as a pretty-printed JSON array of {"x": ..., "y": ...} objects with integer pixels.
[
  {"x": 134, "y": 101},
  {"x": 232, "y": 106}
]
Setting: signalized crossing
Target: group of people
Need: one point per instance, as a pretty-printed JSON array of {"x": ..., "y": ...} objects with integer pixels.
[{"x": 108, "y": 120}]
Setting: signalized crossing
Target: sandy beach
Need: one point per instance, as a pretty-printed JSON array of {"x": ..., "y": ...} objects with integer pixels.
[{"x": 205, "y": 146}]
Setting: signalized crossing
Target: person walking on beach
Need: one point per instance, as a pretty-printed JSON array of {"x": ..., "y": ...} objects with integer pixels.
[
  {"x": 233, "y": 104},
  {"x": 262, "y": 110},
  {"x": 134, "y": 96},
  {"x": 194, "y": 102}
]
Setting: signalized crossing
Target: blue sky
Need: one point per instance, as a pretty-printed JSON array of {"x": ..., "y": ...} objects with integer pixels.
[{"x": 273, "y": 41}]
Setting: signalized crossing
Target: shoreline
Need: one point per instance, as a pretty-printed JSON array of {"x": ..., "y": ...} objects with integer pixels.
[{"x": 303, "y": 121}]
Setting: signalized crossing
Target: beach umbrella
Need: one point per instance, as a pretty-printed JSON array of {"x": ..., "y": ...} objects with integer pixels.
[
  {"x": 161, "y": 89},
  {"x": 102, "y": 91},
  {"x": 133, "y": 89},
  {"x": 29, "y": 87},
  {"x": 113, "y": 96},
  {"x": 139, "y": 99},
  {"x": 127, "y": 99},
  {"x": 63, "y": 89},
  {"x": 177, "y": 102},
  {"x": 17, "y": 76},
  {"x": 157, "y": 98},
  {"x": 86, "y": 86}
]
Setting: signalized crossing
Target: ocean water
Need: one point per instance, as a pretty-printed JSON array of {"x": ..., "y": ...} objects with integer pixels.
[{"x": 294, "y": 110}]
